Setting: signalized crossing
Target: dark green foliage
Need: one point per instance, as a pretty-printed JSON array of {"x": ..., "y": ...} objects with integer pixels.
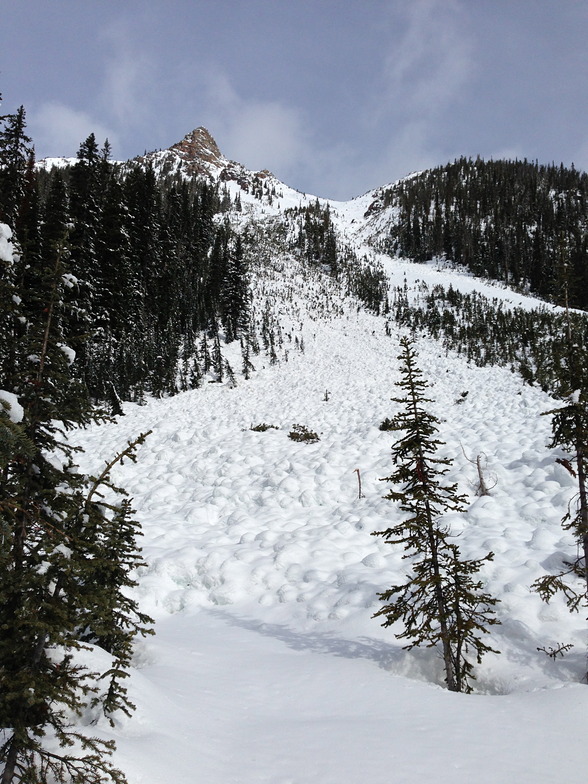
[
  {"x": 487, "y": 332},
  {"x": 262, "y": 427},
  {"x": 148, "y": 269},
  {"x": 55, "y": 587},
  {"x": 387, "y": 424},
  {"x": 109, "y": 617},
  {"x": 302, "y": 434},
  {"x": 234, "y": 294},
  {"x": 15, "y": 154},
  {"x": 441, "y": 603},
  {"x": 321, "y": 249}
]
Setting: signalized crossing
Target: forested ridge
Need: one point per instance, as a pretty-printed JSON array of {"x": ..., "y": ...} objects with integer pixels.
[
  {"x": 147, "y": 267},
  {"x": 516, "y": 221}
]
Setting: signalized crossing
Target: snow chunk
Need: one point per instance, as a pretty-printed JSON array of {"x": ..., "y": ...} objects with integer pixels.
[
  {"x": 6, "y": 247},
  {"x": 69, "y": 353},
  {"x": 9, "y": 403},
  {"x": 69, "y": 280}
]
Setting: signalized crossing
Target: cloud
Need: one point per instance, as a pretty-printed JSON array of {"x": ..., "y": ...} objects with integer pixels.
[
  {"x": 431, "y": 64},
  {"x": 277, "y": 136},
  {"x": 414, "y": 112},
  {"x": 129, "y": 79},
  {"x": 428, "y": 68},
  {"x": 259, "y": 134},
  {"x": 59, "y": 130},
  {"x": 121, "y": 101}
]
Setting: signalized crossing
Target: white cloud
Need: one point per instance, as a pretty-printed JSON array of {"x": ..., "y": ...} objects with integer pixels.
[
  {"x": 414, "y": 104},
  {"x": 59, "y": 130},
  {"x": 259, "y": 134},
  {"x": 277, "y": 136},
  {"x": 129, "y": 79},
  {"x": 432, "y": 63}
]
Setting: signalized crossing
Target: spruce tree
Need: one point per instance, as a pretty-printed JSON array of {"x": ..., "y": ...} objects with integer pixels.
[
  {"x": 440, "y": 603},
  {"x": 15, "y": 152},
  {"x": 235, "y": 294},
  {"x": 53, "y": 535}
]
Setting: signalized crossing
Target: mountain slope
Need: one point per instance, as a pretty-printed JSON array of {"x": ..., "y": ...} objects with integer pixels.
[
  {"x": 261, "y": 572},
  {"x": 262, "y": 576}
]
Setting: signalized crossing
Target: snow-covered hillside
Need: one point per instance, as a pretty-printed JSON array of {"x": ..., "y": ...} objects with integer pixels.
[
  {"x": 261, "y": 571},
  {"x": 262, "y": 574}
]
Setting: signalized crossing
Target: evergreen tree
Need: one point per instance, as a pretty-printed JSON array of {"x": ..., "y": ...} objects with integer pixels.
[
  {"x": 52, "y": 536},
  {"x": 109, "y": 617},
  {"x": 235, "y": 294},
  {"x": 15, "y": 152},
  {"x": 10, "y": 307},
  {"x": 440, "y": 603}
]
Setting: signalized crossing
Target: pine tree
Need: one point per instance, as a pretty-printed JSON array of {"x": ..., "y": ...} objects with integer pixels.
[
  {"x": 52, "y": 535},
  {"x": 15, "y": 152},
  {"x": 440, "y": 603},
  {"x": 235, "y": 294},
  {"x": 109, "y": 617}
]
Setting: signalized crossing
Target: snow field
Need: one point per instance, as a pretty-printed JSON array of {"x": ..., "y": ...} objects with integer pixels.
[{"x": 262, "y": 578}]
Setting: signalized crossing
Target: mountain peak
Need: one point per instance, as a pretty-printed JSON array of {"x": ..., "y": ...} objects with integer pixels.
[
  {"x": 199, "y": 146},
  {"x": 198, "y": 155}
]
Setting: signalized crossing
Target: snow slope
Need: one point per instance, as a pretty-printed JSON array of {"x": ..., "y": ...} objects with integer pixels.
[
  {"x": 262, "y": 578},
  {"x": 262, "y": 574}
]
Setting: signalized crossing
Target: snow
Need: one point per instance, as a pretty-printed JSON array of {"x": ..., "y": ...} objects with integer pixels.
[
  {"x": 9, "y": 403},
  {"x": 262, "y": 578},
  {"x": 262, "y": 575},
  {"x": 69, "y": 353},
  {"x": 6, "y": 247},
  {"x": 55, "y": 163}
]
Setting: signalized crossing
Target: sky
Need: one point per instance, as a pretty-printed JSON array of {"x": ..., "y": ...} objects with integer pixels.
[{"x": 335, "y": 97}]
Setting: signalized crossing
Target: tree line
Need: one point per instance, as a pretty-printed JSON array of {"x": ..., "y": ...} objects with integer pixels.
[
  {"x": 516, "y": 221},
  {"x": 147, "y": 265}
]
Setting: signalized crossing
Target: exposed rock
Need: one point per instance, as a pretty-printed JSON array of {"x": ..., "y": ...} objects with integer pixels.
[
  {"x": 198, "y": 154},
  {"x": 198, "y": 146}
]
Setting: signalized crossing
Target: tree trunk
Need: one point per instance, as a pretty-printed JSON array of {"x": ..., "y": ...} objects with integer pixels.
[
  {"x": 11, "y": 759},
  {"x": 450, "y": 674}
]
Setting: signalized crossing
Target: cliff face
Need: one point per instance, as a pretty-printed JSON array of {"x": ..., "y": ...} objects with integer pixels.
[
  {"x": 197, "y": 154},
  {"x": 199, "y": 151}
]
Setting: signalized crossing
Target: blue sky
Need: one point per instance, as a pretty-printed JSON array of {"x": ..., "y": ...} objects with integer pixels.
[{"x": 334, "y": 96}]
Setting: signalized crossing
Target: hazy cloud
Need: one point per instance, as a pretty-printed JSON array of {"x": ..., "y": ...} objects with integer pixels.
[
  {"x": 129, "y": 78},
  {"x": 431, "y": 64},
  {"x": 58, "y": 129},
  {"x": 259, "y": 134},
  {"x": 425, "y": 73}
]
